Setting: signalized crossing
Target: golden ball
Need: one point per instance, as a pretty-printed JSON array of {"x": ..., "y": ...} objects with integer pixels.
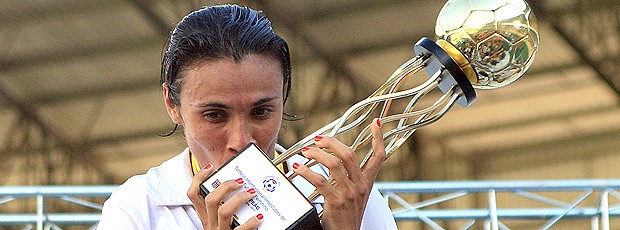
[{"x": 499, "y": 38}]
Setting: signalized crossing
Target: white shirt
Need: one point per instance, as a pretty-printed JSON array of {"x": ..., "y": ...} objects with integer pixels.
[{"x": 158, "y": 200}]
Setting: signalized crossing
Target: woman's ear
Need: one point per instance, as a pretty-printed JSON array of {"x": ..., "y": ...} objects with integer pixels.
[{"x": 171, "y": 108}]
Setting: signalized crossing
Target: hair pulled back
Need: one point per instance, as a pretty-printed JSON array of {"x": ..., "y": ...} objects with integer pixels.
[{"x": 216, "y": 32}]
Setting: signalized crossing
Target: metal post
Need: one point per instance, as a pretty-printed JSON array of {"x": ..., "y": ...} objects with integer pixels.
[
  {"x": 40, "y": 205},
  {"x": 493, "y": 210},
  {"x": 594, "y": 223},
  {"x": 605, "y": 209},
  {"x": 599, "y": 215}
]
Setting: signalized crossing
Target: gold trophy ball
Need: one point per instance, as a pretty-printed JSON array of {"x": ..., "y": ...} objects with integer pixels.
[{"x": 498, "y": 39}]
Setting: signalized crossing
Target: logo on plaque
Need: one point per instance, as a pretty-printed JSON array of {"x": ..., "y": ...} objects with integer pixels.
[{"x": 270, "y": 184}]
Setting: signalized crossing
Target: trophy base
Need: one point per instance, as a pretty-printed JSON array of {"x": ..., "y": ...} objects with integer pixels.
[
  {"x": 451, "y": 73},
  {"x": 309, "y": 221}
]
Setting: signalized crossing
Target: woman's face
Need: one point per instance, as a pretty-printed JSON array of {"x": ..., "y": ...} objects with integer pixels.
[{"x": 225, "y": 105}]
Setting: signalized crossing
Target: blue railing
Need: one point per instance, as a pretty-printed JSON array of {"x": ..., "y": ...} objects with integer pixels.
[
  {"x": 41, "y": 218},
  {"x": 404, "y": 199},
  {"x": 547, "y": 207}
]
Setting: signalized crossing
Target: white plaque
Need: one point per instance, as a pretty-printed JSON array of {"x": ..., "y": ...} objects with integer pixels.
[{"x": 282, "y": 204}]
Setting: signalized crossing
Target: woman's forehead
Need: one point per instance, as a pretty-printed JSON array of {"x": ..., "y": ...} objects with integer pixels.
[
  {"x": 254, "y": 75},
  {"x": 252, "y": 67}
]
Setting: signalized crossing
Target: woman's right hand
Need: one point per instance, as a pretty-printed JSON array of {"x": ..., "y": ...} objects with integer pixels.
[{"x": 213, "y": 212}]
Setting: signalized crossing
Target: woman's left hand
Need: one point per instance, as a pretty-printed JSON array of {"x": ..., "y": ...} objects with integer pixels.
[{"x": 345, "y": 200}]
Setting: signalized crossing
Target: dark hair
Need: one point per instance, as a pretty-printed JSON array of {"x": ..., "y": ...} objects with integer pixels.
[{"x": 215, "y": 32}]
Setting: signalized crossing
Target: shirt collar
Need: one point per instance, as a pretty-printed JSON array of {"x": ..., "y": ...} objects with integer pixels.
[{"x": 175, "y": 179}]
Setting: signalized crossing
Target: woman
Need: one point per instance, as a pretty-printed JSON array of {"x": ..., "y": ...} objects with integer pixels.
[{"x": 225, "y": 79}]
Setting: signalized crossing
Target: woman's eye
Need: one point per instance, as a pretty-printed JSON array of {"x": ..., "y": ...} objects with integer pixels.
[
  {"x": 261, "y": 112},
  {"x": 215, "y": 116}
]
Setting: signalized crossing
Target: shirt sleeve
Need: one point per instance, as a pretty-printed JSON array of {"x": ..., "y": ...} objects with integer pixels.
[
  {"x": 114, "y": 216},
  {"x": 377, "y": 214}
]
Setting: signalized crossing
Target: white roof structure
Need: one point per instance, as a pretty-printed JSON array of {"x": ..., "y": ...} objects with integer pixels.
[{"x": 80, "y": 99}]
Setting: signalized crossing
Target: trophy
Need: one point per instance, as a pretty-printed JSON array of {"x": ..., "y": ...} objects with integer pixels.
[{"x": 481, "y": 44}]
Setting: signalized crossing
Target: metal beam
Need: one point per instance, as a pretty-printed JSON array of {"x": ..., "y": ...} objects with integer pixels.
[
  {"x": 106, "y": 140},
  {"x": 61, "y": 140},
  {"x": 359, "y": 8},
  {"x": 335, "y": 62},
  {"x": 542, "y": 119},
  {"x": 93, "y": 92},
  {"x": 546, "y": 200},
  {"x": 608, "y": 77},
  {"x": 97, "y": 92},
  {"x": 392, "y": 42},
  {"x": 611, "y": 76},
  {"x": 52, "y": 10},
  {"x": 110, "y": 48},
  {"x": 578, "y": 146},
  {"x": 30, "y": 113},
  {"x": 158, "y": 22},
  {"x": 143, "y": 85}
]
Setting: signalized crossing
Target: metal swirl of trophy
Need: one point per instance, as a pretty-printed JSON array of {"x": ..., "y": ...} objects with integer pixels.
[{"x": 481, "y": 44}]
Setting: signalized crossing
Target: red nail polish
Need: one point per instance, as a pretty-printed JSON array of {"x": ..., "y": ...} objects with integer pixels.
[
  {"x": 295, "y": 165},
  {"x": 304, "y": 149},
  {"x": 239, "y": 181},
  {"x": 251, "y": 191},
  {"x": 259, "y": 216},
  {"x": 208, "y": 166},
  {"x": 318, "y": 138},
  {"x": 378, "y": 122}
]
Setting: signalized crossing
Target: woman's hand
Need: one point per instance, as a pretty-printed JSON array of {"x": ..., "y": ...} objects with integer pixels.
[
  {"x": 345, "y": 200},
  {"x": 213, "y": 212}
]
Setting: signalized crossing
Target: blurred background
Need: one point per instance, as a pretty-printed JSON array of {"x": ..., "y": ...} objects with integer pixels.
[{"x": 81, "y": 104}]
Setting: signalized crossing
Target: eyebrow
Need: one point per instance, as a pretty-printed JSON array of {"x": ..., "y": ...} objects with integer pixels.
[
  {"x": 220, "y": 105},
  {"x": 264, "y": 100}
]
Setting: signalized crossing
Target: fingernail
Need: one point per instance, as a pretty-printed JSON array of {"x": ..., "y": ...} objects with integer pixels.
[
  {"x": 239, "y": 181},
  {"x": 295, "y": 165},
  {"x": 318, "y": 138},
  {"x": 259, "y": 216},
  {"x": 304, "y": 149},
  {"x": 208, "y": 166},
  {"x": 251, "y": 191},
  {"x": 378, "y": 122}
]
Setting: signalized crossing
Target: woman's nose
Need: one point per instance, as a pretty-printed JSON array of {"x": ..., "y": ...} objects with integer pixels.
[{"x": 240, "y": 136}]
